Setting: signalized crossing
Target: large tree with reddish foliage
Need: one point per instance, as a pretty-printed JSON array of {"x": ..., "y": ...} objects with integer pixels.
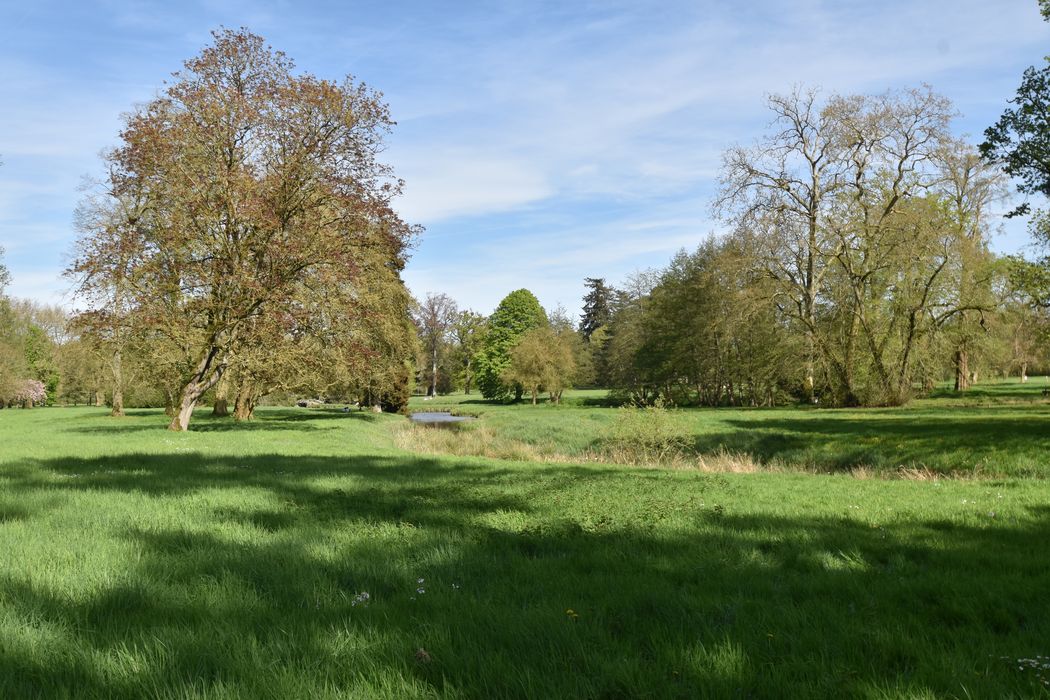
[{"x": 250, "y": 185}]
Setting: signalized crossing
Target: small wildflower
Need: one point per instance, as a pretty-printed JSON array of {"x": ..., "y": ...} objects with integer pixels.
[
  {"x": 572, "y": 614},
  {"x": 360, "y": 599}
]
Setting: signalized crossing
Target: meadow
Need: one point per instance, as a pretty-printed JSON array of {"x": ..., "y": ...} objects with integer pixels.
[
  {"x": 312, "y": 553},
  {"x": 996, "y": 429}
]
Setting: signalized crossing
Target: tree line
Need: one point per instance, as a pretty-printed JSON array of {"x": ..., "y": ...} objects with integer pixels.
[
  {"x": 856, "y": 269},
  {"x": 243, "y": 244}
]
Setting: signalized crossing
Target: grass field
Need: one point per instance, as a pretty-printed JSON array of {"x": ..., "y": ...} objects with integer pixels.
[
  {"x": 233, "y": 561},
  {"x": 997, "y": 429}
]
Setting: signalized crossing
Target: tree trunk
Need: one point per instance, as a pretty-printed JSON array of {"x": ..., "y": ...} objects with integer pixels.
[
  {"x": 962, "y": 370},
  {"x": 244, "y": 404},
  {"x": 203, "y": 379},
  {"x": 181, "y": 420},
  {"x": 466, "y": 382},
  {"x": 433, "y": 373},
  {"x": 100, "y": 398},
  {"x": 220, "y": 408},
  {"x": 118, "y": 386},
  {"x": 1024, "y": 372}
]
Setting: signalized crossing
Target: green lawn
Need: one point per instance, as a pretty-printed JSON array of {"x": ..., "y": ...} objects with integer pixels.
[
  {"x": 231, "y": 561},
  {"x": 996, "y": 429}
]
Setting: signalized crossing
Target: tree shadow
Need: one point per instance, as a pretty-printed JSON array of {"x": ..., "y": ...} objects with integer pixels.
[
  {"x": 204, "y": 422},
  {"x": 833, "y": 441},
  {"x": 260, "y": 593}
]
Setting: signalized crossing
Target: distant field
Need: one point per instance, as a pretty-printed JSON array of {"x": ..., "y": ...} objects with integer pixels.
[
  {"x": 992, "y": 430},
  {"x": 233, "y": 561}
]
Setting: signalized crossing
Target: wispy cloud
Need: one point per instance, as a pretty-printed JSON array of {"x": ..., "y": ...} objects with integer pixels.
[{"x": 539, "y": 143}]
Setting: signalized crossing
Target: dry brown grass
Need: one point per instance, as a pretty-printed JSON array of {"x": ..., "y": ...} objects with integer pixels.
[
  {"x": 479, "y": 440},
  {"x": 482, "y": 441}
]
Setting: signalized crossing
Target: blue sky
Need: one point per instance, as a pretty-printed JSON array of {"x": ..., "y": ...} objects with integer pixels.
[{"x": 541, "y": 142}]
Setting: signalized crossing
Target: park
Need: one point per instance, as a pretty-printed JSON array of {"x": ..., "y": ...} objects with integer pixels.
[
  {"x": 898, "y": 553},
  {"x": 597, "y": 386}
]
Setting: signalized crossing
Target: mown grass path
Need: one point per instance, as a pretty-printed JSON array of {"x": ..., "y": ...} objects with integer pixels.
[{"x": 231, "y": 561}]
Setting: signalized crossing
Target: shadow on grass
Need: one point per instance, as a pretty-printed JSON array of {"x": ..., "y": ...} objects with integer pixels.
[
  {"x": 1030, "y": 391},
  {"x": 511, "y": 595},
  {"x": 831, "y": 440},
  {"x": 302, "y": 419}
]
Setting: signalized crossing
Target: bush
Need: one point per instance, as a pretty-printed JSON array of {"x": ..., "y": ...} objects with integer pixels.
[{"x": 648, "y": 435}]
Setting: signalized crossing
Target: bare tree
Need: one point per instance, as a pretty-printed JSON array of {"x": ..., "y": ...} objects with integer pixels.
[
  {"x": 786, "y": 185},
  {"x": 436, "y": 318}
]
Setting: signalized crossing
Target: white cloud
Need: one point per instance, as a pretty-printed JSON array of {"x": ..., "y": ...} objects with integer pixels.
[{"x": 448, "y": 183}]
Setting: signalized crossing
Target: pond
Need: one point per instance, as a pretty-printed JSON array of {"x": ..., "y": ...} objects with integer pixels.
[{"x": 438, "y": 418}]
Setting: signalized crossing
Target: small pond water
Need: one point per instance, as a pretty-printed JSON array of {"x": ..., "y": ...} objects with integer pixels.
[{"x": 438, "y": 418}]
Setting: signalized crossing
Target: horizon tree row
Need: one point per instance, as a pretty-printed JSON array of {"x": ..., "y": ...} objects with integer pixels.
[{"x": 856, "y": 270}]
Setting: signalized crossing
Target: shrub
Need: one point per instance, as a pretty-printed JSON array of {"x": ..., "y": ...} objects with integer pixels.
[{"x": 647, "y": 435}]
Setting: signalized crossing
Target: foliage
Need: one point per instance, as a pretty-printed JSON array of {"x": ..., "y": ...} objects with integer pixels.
[
  {"x": 597, "y": 306},
  {"x": 542, "y": 360},
  {"x": 870, "y": 222},
  {"x": 646, "y": 435},
  {"x": 435, "y": 317},
  {"x": 468, "y": 335},
  {"x": 5, "y": 274},
  {"x": 518, "y": 313},
  {"x": 709, "y": 333},
  {"x": 1020, "y": 139},
  {"x": 241, "y": 196},
  {"x": 29, "y": 392}
]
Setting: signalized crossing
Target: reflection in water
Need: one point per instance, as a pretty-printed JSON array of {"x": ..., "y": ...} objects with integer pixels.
[{"x": 438, "y": 418}]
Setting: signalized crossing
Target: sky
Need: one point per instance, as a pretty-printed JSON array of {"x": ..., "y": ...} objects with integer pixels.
[{"x": 540, "y": 142}]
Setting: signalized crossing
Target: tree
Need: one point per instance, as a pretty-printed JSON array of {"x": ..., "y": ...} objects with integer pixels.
[
  {"x": 249, "y": 186},
  {"x": 569, "y": 364},
  {"x": 541, "y": 360},
  {"x": 12, "y": 359},
  {"x": 5, "y": 274},
  {"x": 468, "y": 333},
  {"x": 1020, "y": 140},
  {"x": 518, "y": 313},
  {"x": 787, "y": 185},
  {"x": 864, "y": 209},
  {"x": 1019, "y": 143},
  {"x": 970, "y": 185},
  {"x": 436, "y": 317},
  {"x": 597, "y": 306}
]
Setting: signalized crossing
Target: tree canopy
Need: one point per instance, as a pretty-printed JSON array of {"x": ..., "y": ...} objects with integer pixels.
[
  {"x": 518, "y": 312},
  {"x": 245, "y": 209}
]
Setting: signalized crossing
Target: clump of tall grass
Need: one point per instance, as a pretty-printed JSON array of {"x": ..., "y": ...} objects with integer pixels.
[
  {"x": 465, "y": 441},
  {"x": 646, "y": 435}
]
